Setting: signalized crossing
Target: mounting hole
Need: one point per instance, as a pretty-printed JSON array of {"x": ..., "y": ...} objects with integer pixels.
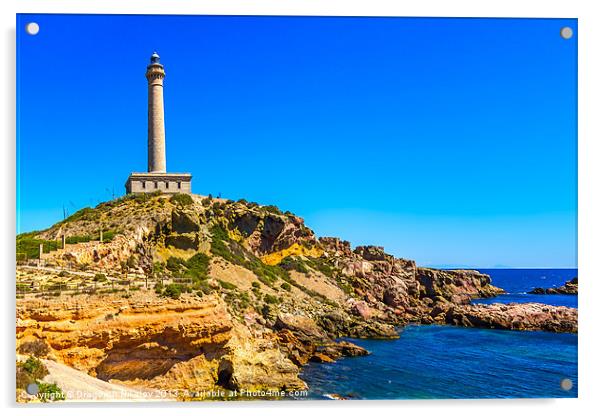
[
  {"x": 33, "y": 389},
  {"x": 32, "y": 28},
  {"x": 566, "y": 384},
  {"x": 566, "y": 32}
]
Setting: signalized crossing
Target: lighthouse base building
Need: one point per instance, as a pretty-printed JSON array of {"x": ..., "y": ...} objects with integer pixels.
[
  {"x": 170, "y": 183},
  {"x": 157, "y": 178}
]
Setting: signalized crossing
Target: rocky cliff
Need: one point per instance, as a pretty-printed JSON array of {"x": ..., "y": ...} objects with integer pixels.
[
  {"x": 569, "y": 288},
  {"x": 185, "y": 344},
  {"x": 200, "y": 293}
]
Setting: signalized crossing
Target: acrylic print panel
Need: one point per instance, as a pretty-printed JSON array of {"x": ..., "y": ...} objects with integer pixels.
[{"x": 203, "y": 203}]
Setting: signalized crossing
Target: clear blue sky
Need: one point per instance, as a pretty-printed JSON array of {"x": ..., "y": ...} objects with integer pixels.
[{"x": 449, "y": 141}]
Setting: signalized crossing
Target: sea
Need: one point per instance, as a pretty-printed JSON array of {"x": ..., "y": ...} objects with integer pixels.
[{"x": 446, "y": 362}]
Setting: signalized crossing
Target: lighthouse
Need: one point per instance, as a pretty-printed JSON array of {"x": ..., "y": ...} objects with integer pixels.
[
  {"x": 157, "y": 178},
  {"x": 156, "y": 116}
]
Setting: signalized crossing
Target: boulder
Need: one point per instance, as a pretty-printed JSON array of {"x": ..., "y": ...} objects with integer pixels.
[
  {"x": 184, "y": 221},
  {"x": 372, "y": 329},
  {"x": 339, "y": 349},
  {"x": 246, "y": 223},
  {"x": 304, "y": 328},
  {"x": 318, "y": 357},
  {"x": 361, "y": 308},
  {"x": 183, "y": 241},
  {"x": 298, "y": 352},
  {"x": 372, "y": 253}
]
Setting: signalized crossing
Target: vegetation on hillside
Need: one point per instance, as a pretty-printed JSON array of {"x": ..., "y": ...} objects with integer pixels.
[
  {"x": 180, "y": 273},
  {"x": 232, "y": 251},
  {"x": 28, "y": 246},
  {"x": 31, "y": 372},
  {"x": 181, "y": 199}
]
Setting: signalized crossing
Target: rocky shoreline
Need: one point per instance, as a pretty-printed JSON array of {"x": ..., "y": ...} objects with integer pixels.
[
  {"x": 569, "y": 288},
  {"x": 514, "y": 316},
  {"x": 232, "y": 295}
]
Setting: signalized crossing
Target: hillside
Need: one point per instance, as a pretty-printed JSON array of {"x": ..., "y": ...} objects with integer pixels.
[{"x": 203, "y": 293}]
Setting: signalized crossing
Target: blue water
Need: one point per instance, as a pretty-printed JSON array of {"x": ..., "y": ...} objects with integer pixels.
[
  {"x": 517, "y": 282},
  {"x": 444, "y": 362}
]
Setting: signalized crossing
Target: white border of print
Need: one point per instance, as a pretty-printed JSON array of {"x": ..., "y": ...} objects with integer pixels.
[{"x": 590, "y": 172}]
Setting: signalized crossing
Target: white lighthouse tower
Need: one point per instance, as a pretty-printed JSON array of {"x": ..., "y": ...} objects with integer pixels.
[{"x": 157, "y": 178}]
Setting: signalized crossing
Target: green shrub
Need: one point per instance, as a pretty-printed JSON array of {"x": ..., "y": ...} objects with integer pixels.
[
  {"x": 256, "y": 285},
  {"x": 267, "y": 274},
  {"x": 202, "y": 287},
  {"x": 158, "y": 268},
  {"x": 35, "y": 368},
  {"x": 293, "y": 263},
  {"x": 142, "y": 197},
  {"x": 175, "y": 264},
  {"x": 50, "y": 392},
  {"x": 218, "y": 208},
  {"x": 271, "y": 299},
  {"x": 76, "y": 239},
  {"x": 36, "y": 348},
  {"x": 322, "y": 266},
  {"x": 219, "y": 232},
  {"x": 265, "y": 281},
  {"x": 286, "y": 286},
  {"x": 173, "y": 291},
  {"x": 223, "y": 246},
  {"x": 181, "y": 199},
  {"x": 89, "y": 214},
  {"x": 108, "y": 236},
  {"x": 23, "y": 377},
  {"x": 100, "y": 277},
  {"x": 227, "y": 285},
  {"x": 233, "y": 252},
  {"x": 272, "y": 208},
  {"x": 244, "y": 300},
  {"x": 28, "y": 246},
  {"x": 23, "y": 287},
  {"x": 195, "y": 268},
  {"x": 198, "y": 266}
]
